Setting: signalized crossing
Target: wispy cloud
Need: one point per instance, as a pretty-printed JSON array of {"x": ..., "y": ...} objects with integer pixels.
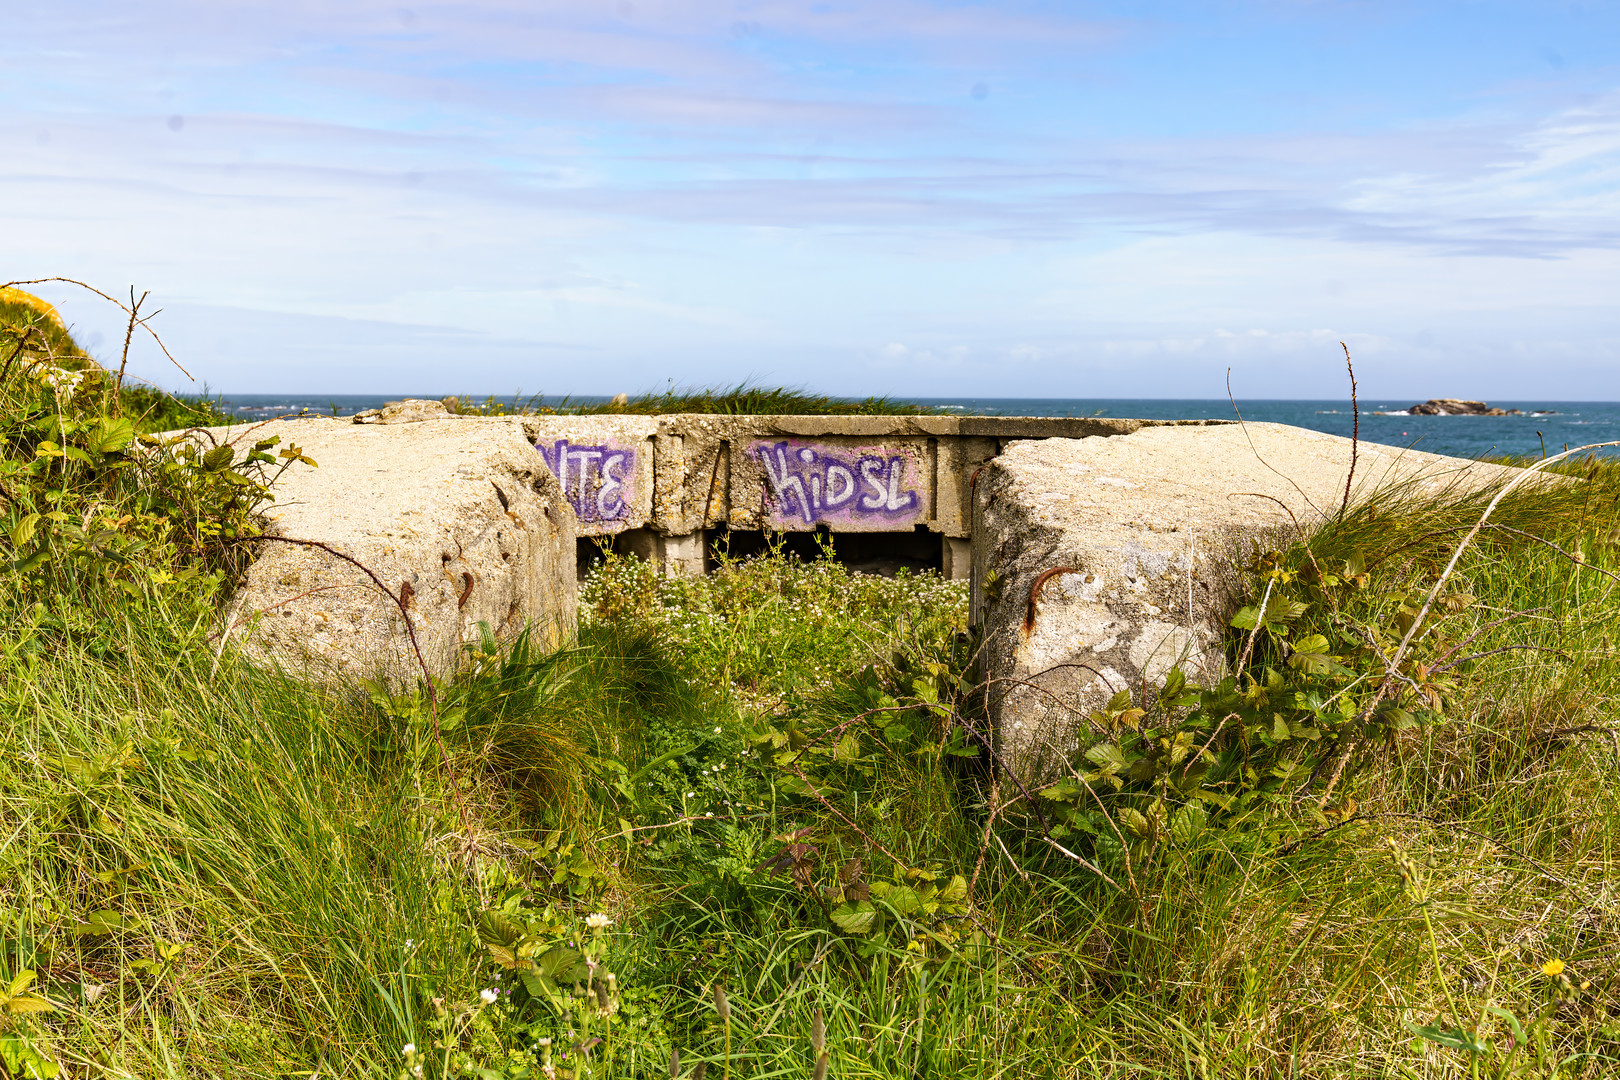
[{"x": 764, "y": 176}]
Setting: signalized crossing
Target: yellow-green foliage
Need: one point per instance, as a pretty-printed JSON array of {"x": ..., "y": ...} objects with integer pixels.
[{"x": 33, "y": 328}]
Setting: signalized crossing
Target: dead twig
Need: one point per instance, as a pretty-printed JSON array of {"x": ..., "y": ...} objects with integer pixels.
[
  {"x": 404, "y": 610},
  {"x": 1009, "y": 857},
  {"x": 1493, "y": 652},
  {"x": 989, "y": 831},
  {"x": 815, "y": 793},
  {"x": 1124, "y": 844},
  {"x": 1305, "y": 540},
  {"x": 1449, "y": 826},
  {"x": 1243, "y": 424},
  {"x": 416, "y": 648},
  {"x": 121, "y": 305},
  {"x": 1202, "y": 750},
  {"x": 1061, "y": 850},
  {"x": 1355, "y": 430},
  {"x": 1028, "y": 683},
  {"x": 1492, "y": 625},
  {"x": 134, "y": 310},
  {"x": 1342, "y": 755}
]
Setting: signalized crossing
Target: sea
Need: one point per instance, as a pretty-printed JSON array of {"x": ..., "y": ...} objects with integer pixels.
[{"x": 1546, "y": 427}]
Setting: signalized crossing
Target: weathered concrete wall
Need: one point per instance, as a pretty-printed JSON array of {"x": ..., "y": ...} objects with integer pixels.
[
  {"x": 457, "y": 516},
  {"x": 685, "y": 473},
  {"x": 1099, "y": 564},
  {"x": 605, "y": 468}
]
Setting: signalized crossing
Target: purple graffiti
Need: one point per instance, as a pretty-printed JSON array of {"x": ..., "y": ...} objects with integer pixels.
[
  {"x": 596, "y": 480},
  {"x": 813, "y": 484}
]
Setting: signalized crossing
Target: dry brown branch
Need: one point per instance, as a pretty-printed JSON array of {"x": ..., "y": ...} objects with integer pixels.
[
  {"x": 1124, "y": 844},
  {"x": 1243, "y": 424},
  {"x": 121, "y": 305},
  {"x": 5, "y": 372},
  {"x": 1202, "y": 750},
  {"x": 416, "y": 648},
  {"x": 1492, "y": 625},
  {"x": 1305, "y": 540},
  {"x": 1450, "y": 826},
  {"x": 135, "y": 320},
  {"x": 1493, "y": 652},
  {"x": 1060, "y": 849},
  {"x": 989, "y": 831},
  {"x": 815, "y": 793},
  {"x": 404, "y": 610},
  {"x": 1355, "y": 430}
]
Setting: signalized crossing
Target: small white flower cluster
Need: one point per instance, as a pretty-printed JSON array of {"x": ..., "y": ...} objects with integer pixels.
[{"x": 776, "y": 615}]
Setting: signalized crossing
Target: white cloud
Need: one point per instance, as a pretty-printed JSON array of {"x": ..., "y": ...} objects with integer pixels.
[{"x": 714, "y": 190}]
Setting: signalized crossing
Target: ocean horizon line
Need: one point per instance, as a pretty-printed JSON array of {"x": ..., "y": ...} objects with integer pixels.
[{"x": 1543, "y": 425}]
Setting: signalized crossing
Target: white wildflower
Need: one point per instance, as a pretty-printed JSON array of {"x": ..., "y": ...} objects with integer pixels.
[
  {"x": 598, "y": 921},
  {"x": 488, "y": 996}
]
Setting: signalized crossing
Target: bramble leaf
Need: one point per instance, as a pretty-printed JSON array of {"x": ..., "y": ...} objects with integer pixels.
[{"x": 856, "y": 918}]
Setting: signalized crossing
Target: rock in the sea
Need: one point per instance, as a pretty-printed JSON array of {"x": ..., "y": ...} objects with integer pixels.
[
  {"x": 458, "y": 518},
  {"x": 1099, "y": 564},
  {"x": 1459, "y": 407}
]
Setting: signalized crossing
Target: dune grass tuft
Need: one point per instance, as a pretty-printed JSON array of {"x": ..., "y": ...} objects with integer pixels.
[{"x": 745, "y": 398}]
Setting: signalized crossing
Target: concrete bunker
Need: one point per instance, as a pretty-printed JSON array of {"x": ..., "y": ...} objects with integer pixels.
[
  {"x": 890, "y": 490},
  {"x": 1095, "y": 547},
  {"x": 1100, "y": 564}
]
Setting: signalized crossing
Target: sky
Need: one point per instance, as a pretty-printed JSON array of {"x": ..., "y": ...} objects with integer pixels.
[{"x": 909, "y": 197}]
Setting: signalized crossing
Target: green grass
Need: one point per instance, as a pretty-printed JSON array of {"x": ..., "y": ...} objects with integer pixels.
[
  {"x": 325, "y": 867},
  {"x": 744, "y": 398},
  {"x": 769, "y": 779}
]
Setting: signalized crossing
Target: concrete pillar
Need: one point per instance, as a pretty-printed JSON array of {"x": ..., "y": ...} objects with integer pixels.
[
  {"x": 642, "y": 543},
  {"x": 684, "y": 554},
  {"x": 956, "y": 561}
]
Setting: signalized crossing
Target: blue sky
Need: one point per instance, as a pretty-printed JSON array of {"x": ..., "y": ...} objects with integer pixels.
[{"x": 902, "y": 196}]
